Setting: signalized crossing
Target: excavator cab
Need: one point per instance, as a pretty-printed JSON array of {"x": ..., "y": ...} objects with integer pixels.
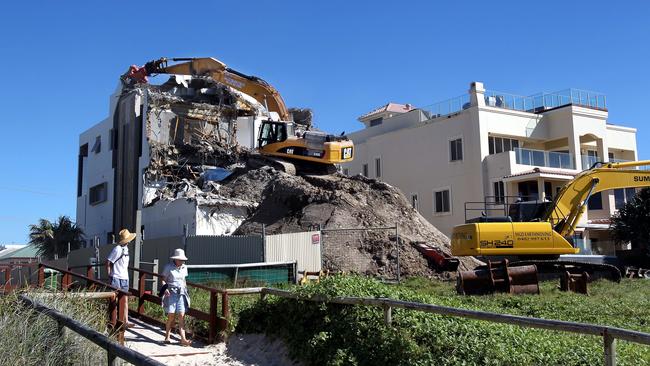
[{"x": 272, "y": 132}]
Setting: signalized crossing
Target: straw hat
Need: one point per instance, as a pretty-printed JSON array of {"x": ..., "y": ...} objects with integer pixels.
[
  {"x": 179, "y": 254},
  {"x": 125, "y": 236}
]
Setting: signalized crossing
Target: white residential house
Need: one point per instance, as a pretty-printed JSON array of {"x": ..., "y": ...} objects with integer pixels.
[{"x": 487, "y": 145}]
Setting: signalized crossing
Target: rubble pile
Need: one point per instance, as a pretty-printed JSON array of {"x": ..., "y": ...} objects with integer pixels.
[
  {"x": 286, "y": 203},
  {"x": 191, "y": 132}
]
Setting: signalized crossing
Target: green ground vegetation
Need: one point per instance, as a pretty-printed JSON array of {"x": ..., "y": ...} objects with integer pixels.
[{"x": 320, "y": 334}]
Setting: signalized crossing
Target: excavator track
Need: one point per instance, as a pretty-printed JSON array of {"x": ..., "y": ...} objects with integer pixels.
[
  {"x": 557, "y": 267},
  {"x": 292, "y": 167},
  {"x": 257, "y": 161}
]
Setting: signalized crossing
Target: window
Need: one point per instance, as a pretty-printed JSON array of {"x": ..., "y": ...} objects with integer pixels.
[
  {"x": 365, "y": 170},
  {"x": 375, "y": 122},
  {"x": 97, "y": 194},
  {"x": 97, "y": 147},
  {"x": 83, "y": 153},
  {"x": 414, "y": 202},
  {"x": 441, "y": 202},
  {"x": 346, "y": 171},
  {"x": 378, "y": 167},
  {"x": 499, "y": 192},
  {"x": 623, "y": 196},
  {"x": 595, "y": 201},
  {"x": 501, "y": 144},
  {"x": 456, "y": 150}
]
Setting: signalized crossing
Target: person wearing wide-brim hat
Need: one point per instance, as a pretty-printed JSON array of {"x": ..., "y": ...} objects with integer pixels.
[
  {"x": 117, "y": 262},
  {"x": 176, "y": 300}
]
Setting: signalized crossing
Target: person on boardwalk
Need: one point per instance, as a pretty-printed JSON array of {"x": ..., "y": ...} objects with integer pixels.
[
  {"x": 117, "y": 263},
  {"x": 176, "y": 300}
]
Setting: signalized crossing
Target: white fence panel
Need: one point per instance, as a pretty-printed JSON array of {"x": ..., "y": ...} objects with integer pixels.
[{"x": 303, "y": 248}]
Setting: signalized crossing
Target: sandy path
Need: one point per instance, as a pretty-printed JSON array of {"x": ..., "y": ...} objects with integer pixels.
[{"x": 240, "y": 350}]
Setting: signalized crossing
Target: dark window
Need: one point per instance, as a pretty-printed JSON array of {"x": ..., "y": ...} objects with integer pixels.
[
  {"x": 378, "y": 167},
  {"x": 365, "y": 170},
  {"x": 97, "y": 194},
  {"x": 491, "y": 143},
  {"x": 346, "y": 171},
  {"x": 515, "y": 144},
  {"x": 375, "y": 122},
  {"x": 414, "y": 202},
  {"x": 441, "y": 203},
  {"x": 498, "y": 145},
  {"x": 595, "y": 201},
  {"x": 456, "y": 149},
  {"x": 507, "y": 144},
  {"x": 499, "y": 192},
  {"x": 548, "y": 191},
  {"x": 97, "y": 147},
  {"x": 623, "y": 196},
  {"x": 610, "y": 156},
  {"x": 83, "y": 152}
]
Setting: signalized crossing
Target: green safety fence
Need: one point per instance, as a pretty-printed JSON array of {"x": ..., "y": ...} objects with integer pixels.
[{"x": 248, "y": 276}]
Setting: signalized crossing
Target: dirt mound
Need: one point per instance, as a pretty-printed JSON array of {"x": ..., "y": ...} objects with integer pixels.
[{"x": 288, "y": 203}]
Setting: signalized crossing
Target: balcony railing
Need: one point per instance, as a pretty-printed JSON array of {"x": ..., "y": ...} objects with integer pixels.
[
  {"x": 448, "y": 106},
  {"x": 550, "y": 159},
  {"x": 540, "y": 102}
]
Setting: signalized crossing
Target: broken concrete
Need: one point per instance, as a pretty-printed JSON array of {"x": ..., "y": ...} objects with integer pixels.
[{"x": 196, "y": 180}]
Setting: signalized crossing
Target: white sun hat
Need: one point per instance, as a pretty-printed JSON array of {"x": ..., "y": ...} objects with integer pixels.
[{"x": 179, "y": 254}]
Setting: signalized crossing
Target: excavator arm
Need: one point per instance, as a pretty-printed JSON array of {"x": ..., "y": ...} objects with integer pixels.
[
  {"x": 257, "y": 88},
  {"x": 571, "y": 202}
]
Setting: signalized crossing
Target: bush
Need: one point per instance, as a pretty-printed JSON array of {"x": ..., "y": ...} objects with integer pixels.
[{"x": 333, "y": 334}]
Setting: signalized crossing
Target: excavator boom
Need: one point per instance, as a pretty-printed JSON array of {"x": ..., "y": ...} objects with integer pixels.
[{"x": 257, "y": 88}]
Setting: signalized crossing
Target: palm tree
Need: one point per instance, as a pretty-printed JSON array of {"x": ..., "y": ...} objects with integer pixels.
[{"x": 52, "y": 238}]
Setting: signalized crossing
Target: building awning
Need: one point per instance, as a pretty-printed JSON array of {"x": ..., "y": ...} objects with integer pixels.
[{"x": 550, "y": 173}]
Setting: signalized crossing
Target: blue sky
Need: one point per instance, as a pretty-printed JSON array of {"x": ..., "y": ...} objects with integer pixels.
[{"x": 61, "y": 60}]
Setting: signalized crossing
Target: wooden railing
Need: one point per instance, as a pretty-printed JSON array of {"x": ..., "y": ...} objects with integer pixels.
[
  {"x": 215, "y": 321},
  {"x": 113, "y": 350},
  {"x": 609, "y": 334}
]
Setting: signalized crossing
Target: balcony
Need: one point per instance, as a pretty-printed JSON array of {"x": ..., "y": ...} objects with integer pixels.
[
  {"x": 447, "y": 107},
  {"x": 541, "y": 158},
  {"x": 543, "y": 101}
]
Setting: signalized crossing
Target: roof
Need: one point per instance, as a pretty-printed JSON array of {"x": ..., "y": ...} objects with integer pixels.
[
  {"x": 568, "y": 173},
  {"x": 390, "y": 107},
  {"x": 27, "y": 251}
]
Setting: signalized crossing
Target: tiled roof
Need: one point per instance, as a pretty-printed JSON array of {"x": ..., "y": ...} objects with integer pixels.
[
  {"x": 390, "y": 107},
  {"x": 544, "y": 171},
  {"x": 606, "y": 221}
]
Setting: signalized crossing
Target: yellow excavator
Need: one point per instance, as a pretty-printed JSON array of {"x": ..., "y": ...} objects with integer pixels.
[
  {"x": 550, "y": 233},
  {"x": 279, "y": 138}
]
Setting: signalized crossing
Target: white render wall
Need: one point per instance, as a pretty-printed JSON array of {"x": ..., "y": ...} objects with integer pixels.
[
  {"x": 96, "y": 220},
  {"x": 414, "y": 152}
]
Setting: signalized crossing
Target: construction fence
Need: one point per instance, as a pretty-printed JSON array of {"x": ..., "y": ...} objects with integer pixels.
[
  {"x": 371, "y": 251},
  {"x": 257, "y": 260}
]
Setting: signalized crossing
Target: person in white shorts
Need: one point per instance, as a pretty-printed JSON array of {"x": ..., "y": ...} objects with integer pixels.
[
  {"x": 176, "y": 300},
  {"x": 117, "y": 263}
]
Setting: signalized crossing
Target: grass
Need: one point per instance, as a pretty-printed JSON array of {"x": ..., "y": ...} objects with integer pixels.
[
  {"x": 319, "y": 334},
  {"x": 31, "y": 338}
]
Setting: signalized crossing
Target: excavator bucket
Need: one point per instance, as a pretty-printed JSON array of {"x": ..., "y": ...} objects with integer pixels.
[
  {"x": 498, "y": 277},
  {"x": 574, "y": 282}
]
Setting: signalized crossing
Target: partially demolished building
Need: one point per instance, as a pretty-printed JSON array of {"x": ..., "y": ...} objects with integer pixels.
[
  {"x": 173, "y": 159},
  {"x": 160, "y": 154}
]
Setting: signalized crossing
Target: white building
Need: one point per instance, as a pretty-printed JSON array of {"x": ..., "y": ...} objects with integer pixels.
[
  {"x": 488, "y": 145},
  {"x": 114, "y": 154}
]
